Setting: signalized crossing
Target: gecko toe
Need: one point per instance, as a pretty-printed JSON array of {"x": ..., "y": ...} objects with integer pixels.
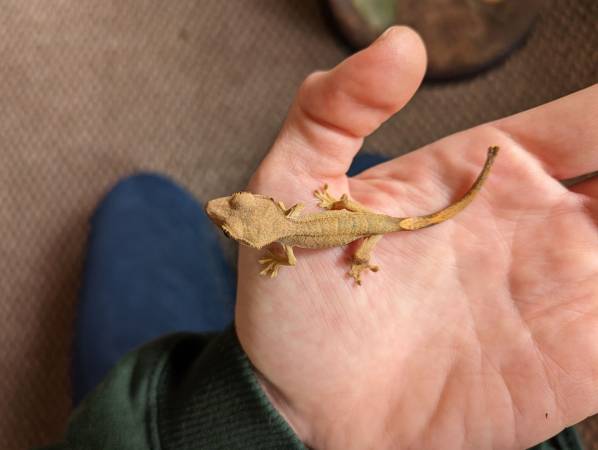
[
  {"x": 271, "y": 265},
  {"x": 327, "y": 201},
  {"x": 358, "y": 268}
]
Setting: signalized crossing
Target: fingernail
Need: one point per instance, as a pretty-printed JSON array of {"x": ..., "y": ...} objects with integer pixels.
[{"x": 386, "y": 33}]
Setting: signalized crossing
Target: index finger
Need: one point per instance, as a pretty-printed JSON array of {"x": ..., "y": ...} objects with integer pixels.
[{"x": 562, "y": 135}]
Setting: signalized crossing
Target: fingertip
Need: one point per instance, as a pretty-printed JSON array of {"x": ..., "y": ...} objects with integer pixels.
[
  {"x": 363, "y": 91},
  {"x": 406, "y": 42},
  {"x": 392, "y": 67},
  {"x": 401, "y": 34}
]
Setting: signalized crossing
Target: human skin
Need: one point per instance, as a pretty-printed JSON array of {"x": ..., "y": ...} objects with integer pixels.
[{"x": 481, "y": 332}]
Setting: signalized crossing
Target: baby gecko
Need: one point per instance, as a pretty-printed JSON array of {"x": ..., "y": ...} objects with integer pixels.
[{"x": 258, "y": 221}]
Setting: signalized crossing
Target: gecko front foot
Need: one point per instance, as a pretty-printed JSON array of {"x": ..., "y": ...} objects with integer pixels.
[
  {"x": 358, "y": 267},
  {"x": 271, "y": 264}
]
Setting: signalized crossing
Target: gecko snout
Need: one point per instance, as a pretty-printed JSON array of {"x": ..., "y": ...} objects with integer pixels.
[{"x": 217, "y": 210}]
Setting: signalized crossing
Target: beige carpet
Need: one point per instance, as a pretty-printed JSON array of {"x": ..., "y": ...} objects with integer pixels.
[{"x": 91, "y": 91}]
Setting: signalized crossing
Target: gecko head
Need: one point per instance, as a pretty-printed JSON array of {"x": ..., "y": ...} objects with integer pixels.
[{"x": 239, "y": 216}]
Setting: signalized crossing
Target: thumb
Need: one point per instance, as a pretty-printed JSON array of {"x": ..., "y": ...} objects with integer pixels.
[{"x": 334, "y": 110}]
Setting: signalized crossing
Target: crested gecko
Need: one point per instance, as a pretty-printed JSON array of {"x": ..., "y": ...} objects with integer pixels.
[{"x": 258, "y": 221}]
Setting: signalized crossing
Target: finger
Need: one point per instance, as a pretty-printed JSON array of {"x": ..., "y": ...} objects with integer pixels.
[
  {"x": 557, "y": 138},
  {"x": 563, "y": 134},
  {"x": 588, "y": 187},
  {"x": 588, "y": 195},
  {"x": 334, "y": 110}
]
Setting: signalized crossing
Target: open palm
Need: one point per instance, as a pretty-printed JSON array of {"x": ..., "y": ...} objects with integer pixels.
[{"x": 480, "y": 332}]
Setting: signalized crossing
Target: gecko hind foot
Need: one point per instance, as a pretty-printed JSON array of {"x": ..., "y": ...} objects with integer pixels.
[
  {"x": 327, "y": 201},
  {"x": 358, "y": 267}
]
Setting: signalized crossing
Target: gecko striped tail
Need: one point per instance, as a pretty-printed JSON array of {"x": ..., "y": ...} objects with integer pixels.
[{"x": 415, "y": 223}]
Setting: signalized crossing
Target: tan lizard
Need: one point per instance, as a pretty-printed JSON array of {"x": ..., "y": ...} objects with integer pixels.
[{"x": 257, "y": 221}]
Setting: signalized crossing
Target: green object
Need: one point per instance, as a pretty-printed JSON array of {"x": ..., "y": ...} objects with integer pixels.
[
  {"x": 182, "y": 392},
  {"x": 378, "y": 14},
  {"x": 187, "y": 392},
  {"x": 565, "y": 440}
]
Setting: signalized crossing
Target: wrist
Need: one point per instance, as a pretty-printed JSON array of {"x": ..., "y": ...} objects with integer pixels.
[
  {"x": 330, "y": 422},
  {"x": 283, "y": 406}
]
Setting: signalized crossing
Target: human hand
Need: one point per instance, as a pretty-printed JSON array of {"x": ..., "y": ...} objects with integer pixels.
[{"x": 481, "y": 332}]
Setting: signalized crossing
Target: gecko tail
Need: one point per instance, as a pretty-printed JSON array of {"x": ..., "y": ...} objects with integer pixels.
[{"x": 415, "y": 223}]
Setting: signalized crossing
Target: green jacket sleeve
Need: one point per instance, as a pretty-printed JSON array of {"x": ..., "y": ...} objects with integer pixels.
[
  {"x": 567, "y": 439},
  {"x": 190, "y": 391},
  {"x": 183, "y": 392}
]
